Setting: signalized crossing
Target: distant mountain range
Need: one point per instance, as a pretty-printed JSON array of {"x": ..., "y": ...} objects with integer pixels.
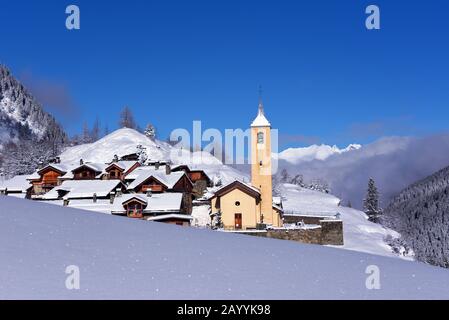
[
  {"x": 21, "y": 116},
  {"x": 393, "y": 162},
  {"x": 313, "y": 152}
]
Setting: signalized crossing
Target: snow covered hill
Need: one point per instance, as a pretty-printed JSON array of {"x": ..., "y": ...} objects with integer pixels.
[
  {"x": 121, "y": 258},
  {"x": 124, "y": 141}
]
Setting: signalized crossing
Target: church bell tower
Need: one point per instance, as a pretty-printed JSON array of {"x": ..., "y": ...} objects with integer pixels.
[{"x": 261, "y": 174}]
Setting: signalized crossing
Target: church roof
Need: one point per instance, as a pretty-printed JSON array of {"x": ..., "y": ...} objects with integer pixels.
[
  {"x": 245, "y": 187},
  {"x": 260, "y": 120}
]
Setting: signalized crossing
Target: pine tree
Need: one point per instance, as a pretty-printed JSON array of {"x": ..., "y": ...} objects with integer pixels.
[
  {"x": 150, "y": 131},
  {"x": 142, "y": 154},
  {"x": 95, "y": 133},
  {"x": 87, "y": 138},
  {"x": 106, "y": 130},
  {"x": 371, "y": 202},
  {"x": 285, "y": 177},
  {"x": 127, "y": 119},
  {"x": 298, "y": 180}
]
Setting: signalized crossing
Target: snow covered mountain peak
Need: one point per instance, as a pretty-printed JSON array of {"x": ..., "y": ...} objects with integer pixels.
[{"x": 314, "y": 152}]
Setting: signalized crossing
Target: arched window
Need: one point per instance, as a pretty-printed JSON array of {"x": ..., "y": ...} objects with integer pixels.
[{"x": 260, "y": 137}]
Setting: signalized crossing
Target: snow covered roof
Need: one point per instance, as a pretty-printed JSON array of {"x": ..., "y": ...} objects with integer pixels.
[
  {"x": 57, "y": 166},
  {"x": 237, "y": 184},
  {"x": 16, "y": 184},
  {"x": 68, "y": 175},
  {"x": 260, "y": 120},
  {"x": 102, "y": 205},
  {"x": 124, "y": 165},
  {"x": 78, "y": 189},
  {"x": 34, "y": 176},
  {"x": 141, "y": 174},
  {"x": 170, "y": 216},
  {"x": 98, "y": 167},
  {"x": 161, "y": 202}
]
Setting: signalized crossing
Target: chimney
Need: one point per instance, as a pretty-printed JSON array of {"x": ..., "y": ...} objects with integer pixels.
[
  {"x": 118, "y": 192},
  {"x": 95, "y": 198},
  {"x": 167, "y": 169},
  {"x": 156, "y": 165},
  {"x": 65, "y": 202},
  {"x": 149, "y": 193},
  {"x": 115, "y": 158},
  {"x": 81, "y": 162},
  {"x": 111, "y": 197},
  {"x": 58, "y": 160}
]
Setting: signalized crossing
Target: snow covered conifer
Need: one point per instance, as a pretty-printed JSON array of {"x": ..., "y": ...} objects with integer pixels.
[
  {"x": 285, "y": 177},
  {"x": 150, "y": 131},
  {"x": 371, "y": 202},
  {"x": 142, "y": 153}
]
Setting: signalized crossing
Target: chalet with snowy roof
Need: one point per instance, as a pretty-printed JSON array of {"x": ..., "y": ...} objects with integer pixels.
[
  {"x": 88, "y": 171},
  {"x": 161, "y": 180},
  {"x": 243, "y": 206},
  {"x": 19, "y": 187},
  {"x": 118, "y": 170},
  {"x": 130, "y": 157},
  {"x": 85, "y": 189},
  {"x": 199, "y": 178},
  {"x": 46, "y": 178},
  {"x": 161, "y": 207}
]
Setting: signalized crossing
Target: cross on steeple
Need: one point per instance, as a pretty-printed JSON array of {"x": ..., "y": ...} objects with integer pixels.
[{"x": 261, "y": 112}]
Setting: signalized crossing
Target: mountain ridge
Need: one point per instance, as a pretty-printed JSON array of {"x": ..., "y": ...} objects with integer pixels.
[{"x": 21, "y": 115}]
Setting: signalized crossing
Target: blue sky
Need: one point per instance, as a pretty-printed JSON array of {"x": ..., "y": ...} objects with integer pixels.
[{"x": 325, "y": 77}]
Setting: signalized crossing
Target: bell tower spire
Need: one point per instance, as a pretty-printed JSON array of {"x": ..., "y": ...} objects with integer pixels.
[
  {"x": 261, "y": 175},
  {"x": 261, "y": 112}
]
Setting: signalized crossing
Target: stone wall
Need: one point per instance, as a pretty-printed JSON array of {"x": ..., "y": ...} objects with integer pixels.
[
  {"x": 328, "y": 232},
  {"x": 332, "y": 232}
]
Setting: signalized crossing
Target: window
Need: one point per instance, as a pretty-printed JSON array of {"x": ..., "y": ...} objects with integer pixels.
[
  {"x": 237, "y": 203},
  {"x": 134, "y": 210},
  {"x": 260, "y": 137}
]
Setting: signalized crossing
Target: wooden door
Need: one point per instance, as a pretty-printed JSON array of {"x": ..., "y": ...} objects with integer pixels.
[{"x": 238, "y": 221}]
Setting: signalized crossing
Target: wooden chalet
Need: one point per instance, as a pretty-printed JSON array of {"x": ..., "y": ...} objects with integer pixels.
[
  {"x": 148, "y": 179},
  {"x": 88, "y": 171},
  {"x": 46, "y": 178},
  {"x": 119, "y": 170},
  {"x": 199, "y": 178},
  {"x": 163, "y": 207}
]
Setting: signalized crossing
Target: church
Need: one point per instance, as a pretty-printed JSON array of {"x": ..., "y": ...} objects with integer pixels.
[{"x": 244, "y": 206}]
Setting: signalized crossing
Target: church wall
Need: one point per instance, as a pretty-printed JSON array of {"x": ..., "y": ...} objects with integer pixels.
[{"x": 248, "y": 208}]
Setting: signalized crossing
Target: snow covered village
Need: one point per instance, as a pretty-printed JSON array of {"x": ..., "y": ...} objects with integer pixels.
[
  {"x": 146, "y": 184},
  {"x": 141, "y": 158}
]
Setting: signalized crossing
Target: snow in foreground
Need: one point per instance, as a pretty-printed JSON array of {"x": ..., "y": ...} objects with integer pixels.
[{"x": 135, "y": 259}]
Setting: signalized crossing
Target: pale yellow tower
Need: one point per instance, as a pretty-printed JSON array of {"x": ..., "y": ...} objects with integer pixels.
[{"x": 261, "y": 175}]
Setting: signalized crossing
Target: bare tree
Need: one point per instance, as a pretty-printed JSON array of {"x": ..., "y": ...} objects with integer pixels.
[
  {"x": 95, "y": 134},
  {"x": 127, "y": 119}
]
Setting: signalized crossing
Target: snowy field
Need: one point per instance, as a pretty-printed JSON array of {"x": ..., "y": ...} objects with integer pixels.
[{"x": 134, "y": 259}]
